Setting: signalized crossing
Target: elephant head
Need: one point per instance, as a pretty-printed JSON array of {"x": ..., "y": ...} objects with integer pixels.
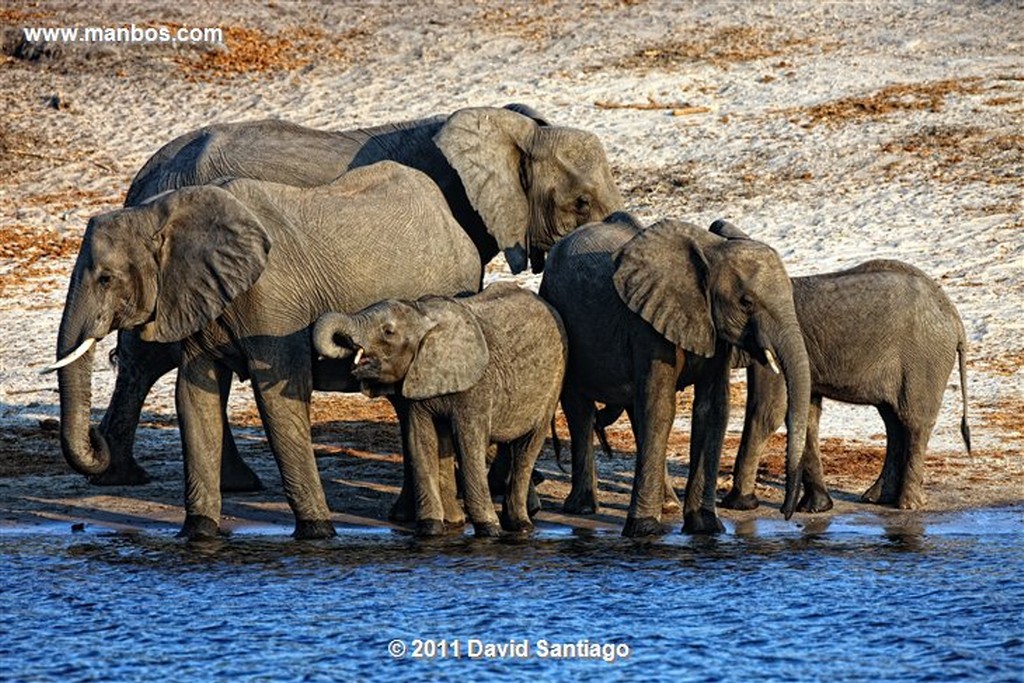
[
  {"x": 531, "y": 184},
  {"x": 169, "y": 267},
  {"x": 422, "y": 349},
  {"x": 696, "y": 289}
]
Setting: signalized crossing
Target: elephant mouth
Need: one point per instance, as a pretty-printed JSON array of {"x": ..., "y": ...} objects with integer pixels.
[{"x": 364, "y": 367}]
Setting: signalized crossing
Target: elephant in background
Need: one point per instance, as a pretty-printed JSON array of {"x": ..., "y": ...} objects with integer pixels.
[
  {"x": 236, "y": 273},
  {"x": 881, "y": 333},
  {"x": 513, "y": 182},
  {"x": 650, "y": 311},
  {"x": 486, "y": 368}
]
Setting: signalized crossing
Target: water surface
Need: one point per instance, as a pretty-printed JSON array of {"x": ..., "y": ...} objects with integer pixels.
[{"x": 938, "y": 598}]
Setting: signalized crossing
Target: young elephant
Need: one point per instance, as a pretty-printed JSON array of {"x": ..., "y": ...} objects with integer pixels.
[
  {"x": 881, "y": 333},
  {"x": 650, "y": 311},
  {"x": 489, "y": 366}
]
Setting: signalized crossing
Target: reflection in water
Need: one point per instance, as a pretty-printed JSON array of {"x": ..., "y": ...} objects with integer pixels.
[{"x": 925, "y": 598}]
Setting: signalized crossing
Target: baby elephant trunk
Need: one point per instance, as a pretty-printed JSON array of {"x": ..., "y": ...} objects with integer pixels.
[{"x": 332, "y": 336}]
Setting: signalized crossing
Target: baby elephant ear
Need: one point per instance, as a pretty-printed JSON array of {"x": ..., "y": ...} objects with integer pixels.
[
  {"x": 452, "y": 355},
  {"x": 661, "y": 274}
]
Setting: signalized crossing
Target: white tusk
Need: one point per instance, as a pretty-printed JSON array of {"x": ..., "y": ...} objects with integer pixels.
[
  {"x": 772, "y": 363},
  {"x": 359, "y": 356},
  {"x": 70, "y": 358}
]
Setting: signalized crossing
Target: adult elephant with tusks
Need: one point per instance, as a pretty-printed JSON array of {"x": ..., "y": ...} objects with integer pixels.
[
  {"x": 650, "y": 311},
  {"x": 236, "y": 273},
  {"x": 513, "y": 183}
]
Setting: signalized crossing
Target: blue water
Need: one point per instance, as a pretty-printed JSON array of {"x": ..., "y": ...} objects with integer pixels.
[{"x": 941, "y": 599}]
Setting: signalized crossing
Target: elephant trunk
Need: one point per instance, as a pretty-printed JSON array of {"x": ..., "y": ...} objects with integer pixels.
[
  {"x": 84, "y": 448},
  {"x": 793, "y": 363},
  {"x": 331, "y": 332}
]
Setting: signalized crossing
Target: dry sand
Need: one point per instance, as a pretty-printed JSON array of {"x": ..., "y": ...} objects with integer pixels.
[{"x": 835, "y": 131}]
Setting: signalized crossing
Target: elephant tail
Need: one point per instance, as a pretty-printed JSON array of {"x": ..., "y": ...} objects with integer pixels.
[
  {"x": 961, "y": 348},
  {"x": 556, "y": 445}
]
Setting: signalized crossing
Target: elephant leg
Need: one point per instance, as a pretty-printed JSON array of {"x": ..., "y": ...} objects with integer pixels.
[
  {"x": 885, "y": 488},
  {"x": 235, "y": 475},
  {"x": 815, "y": 498},
  {"x": 283, "y": 403},
  {"x": 710, "y": 417},
  {"x": 501, "y": 470},
  {"x": 515, "y": 509},
  {"x": 471, "y": 439},
  {"x": 454, "y": 517},
  {"x": 765, "y": 411},
  {"x": 671, "y": 504},
  {"x": 655, "y": 409},
  {"x": 139, "y": 366},
  {"x": 911, "y": 492},
  {"x": 404, "y": 507},
  {"x": 579, "y": 415},
  {"x": 423, "y": 461},
  {"x": 199, "y": 419}
]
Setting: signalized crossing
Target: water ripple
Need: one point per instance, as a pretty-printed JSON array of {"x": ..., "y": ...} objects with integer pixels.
[{"x": 840, "y": 605}]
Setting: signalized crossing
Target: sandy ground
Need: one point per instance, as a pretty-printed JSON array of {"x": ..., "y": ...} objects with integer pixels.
[{"x": 834, "y": 131}]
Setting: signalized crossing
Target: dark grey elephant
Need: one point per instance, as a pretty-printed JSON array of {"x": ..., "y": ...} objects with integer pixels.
[
  {"x": 650, "y": 311},
  {"x": 514, "y": 184},
  {"x": 881, "y": 333},
  {"x": 486, "y": 369},
  {"x": 237, "y": 272}
]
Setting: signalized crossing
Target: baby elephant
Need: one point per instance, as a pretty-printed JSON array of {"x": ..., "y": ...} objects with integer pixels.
[
  {"x": 881, "y": 333},
  {"x": 488, "y": 368}
]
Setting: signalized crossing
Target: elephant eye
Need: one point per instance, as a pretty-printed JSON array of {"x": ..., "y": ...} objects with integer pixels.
[
  {"x": 104, "y": 280},
  {"x": 583, "y": 205},
  {"x": 747, "y": 302},
  {"x": 388, "y": 329}
]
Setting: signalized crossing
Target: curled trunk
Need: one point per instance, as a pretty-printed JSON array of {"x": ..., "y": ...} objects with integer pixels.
[
  {"x": 328, "y": 333},
  {"x": 84, "y": 448}
]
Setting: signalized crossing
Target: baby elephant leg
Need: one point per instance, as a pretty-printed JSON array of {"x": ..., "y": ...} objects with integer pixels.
[{"x": 515, "y": 509}]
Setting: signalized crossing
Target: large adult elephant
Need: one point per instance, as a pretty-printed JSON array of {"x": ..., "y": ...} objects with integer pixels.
[
  {"x": 514, "y": 184},
  {"x": 650, "y": 311},
  {"x": 236, "y": 272}
]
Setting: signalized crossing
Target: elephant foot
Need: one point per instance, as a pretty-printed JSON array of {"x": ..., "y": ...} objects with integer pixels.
[
  {"x": 312, "y": 529},
  {"x": 734, "y": 500},
  {"x": 702, "y": 522},
  {"x": 403, "y": 509},
  {"x": 533, "y": 505},
  {"x": 454, "y": 515},
  {"x": 128, "y": 473},
  {"x": 910, "y": 500},
  {"x": 430, "y": 528},
  {"x": 637, "y": 527},
  {"x": 515, "y": 525},
  {"x": 199, "y": 528},
  {"x": 580, "y": 503},
  {"x": 815, "y": 499},
  {"x": 487, "y": 530}
]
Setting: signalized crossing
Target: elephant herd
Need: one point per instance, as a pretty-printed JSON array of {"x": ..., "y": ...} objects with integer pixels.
[{"x": 303, "y": 260}]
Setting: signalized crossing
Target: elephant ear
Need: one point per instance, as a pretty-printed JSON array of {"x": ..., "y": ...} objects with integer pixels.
[
  {"x": 453, "y": 354},
  {"x": 485, "y": 147},
  {"x": 211, "y": 249},
  {"x": 662, "y": 275}
]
